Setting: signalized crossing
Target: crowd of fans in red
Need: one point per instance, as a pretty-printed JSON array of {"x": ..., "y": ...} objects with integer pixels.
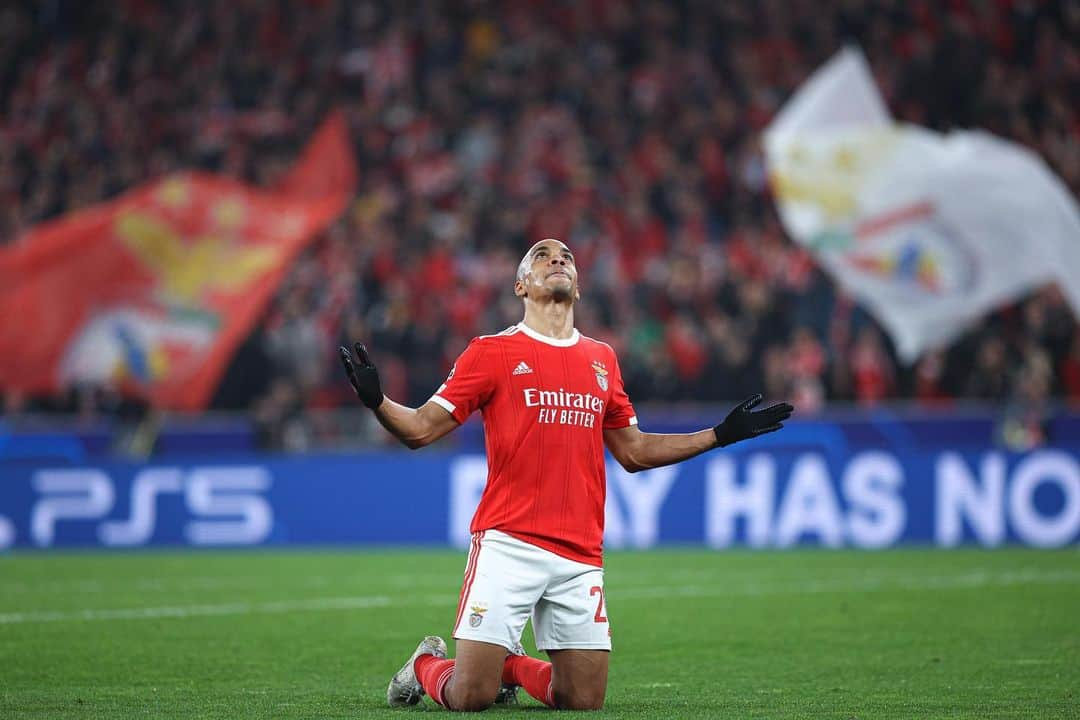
[{"x": 631, "y": 130}]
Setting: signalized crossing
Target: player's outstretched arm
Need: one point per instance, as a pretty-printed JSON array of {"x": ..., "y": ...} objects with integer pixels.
[
  {"x": 414, "y": 427},
  {"x": 636, "y": 450}
]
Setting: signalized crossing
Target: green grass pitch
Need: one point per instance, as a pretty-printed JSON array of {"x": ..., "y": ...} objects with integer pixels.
[{"x": 802, "y": 634}]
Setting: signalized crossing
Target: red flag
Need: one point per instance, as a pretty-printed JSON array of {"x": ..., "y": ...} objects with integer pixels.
[
  {"x": 155, "y": 290},
  {"x": 326, "y": 164}
]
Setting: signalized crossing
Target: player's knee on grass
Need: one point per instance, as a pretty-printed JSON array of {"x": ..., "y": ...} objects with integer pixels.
[
  {"x": 579, "y": 699},
  {"x": 473, "y": 688},
  {"x": 579, "y": 679},
  {"x": 578, "y": 693},
  {"x": 477, "y": 675},
  {"x": 472, "y": 695}
]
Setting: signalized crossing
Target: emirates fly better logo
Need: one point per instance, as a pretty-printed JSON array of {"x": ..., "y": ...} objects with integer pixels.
[{"x": 559, "y": 407}]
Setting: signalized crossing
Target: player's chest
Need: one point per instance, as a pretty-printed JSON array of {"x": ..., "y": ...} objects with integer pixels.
[
  {"x": 578, "y": 371},
  {"x": 562, "y": 389}
]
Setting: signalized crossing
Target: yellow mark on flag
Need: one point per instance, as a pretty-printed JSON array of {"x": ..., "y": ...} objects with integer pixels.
[
  {"x": 189, "y": 270},
  {"x": 174, "y": 193},
  {"x": 834, "y": 199},
  {"x": 230, "y": 213}
]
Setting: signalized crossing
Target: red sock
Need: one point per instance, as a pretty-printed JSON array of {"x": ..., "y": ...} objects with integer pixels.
[
  {"x": 530, "y": 673},
  {"x": 433, "y": 674}
]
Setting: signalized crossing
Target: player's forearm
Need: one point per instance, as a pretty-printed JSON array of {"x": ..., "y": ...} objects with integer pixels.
[
  {"x": 405, "y": 423},
  {"x": 656, "y": 450}
]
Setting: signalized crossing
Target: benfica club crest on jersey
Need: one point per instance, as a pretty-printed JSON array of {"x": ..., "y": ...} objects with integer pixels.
[{"x": 601, "y": 374}]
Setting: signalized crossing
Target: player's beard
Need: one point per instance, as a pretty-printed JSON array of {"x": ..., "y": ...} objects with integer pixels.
[{"x": 562, "y": 294}]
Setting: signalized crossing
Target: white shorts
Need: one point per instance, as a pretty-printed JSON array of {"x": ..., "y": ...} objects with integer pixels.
[{"x": 507, "y": 580}]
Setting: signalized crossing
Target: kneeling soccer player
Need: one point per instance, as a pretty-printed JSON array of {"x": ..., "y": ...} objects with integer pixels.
[{"x": 551, "y": 400}]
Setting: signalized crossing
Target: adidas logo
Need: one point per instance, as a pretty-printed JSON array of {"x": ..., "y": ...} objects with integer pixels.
[{"x": 522, "y": 369}]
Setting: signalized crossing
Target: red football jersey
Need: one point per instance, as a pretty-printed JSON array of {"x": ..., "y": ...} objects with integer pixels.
[{"x": 546, "y": 403}]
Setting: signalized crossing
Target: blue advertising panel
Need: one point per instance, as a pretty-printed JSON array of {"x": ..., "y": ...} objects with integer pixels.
[{"x": 809, "y": 486}]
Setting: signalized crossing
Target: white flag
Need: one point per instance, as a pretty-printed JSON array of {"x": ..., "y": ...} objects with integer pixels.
[{"x": 928, "y": 231}]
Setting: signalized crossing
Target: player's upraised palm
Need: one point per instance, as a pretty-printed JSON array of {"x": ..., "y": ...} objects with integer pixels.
[
  {"x": 741, "y": 423},
  {"x": 363, "y": 375}
]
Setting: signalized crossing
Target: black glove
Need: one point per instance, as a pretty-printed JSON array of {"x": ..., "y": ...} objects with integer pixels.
[
  {"x": 363, "y": 376},
  {"x": 741, "y": 424}
]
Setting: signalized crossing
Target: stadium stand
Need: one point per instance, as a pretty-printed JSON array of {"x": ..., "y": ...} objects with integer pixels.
[{"x": 480, "y": 127}]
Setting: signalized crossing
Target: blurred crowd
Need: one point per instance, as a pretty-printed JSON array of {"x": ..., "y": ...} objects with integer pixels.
[{"x": 631, "y": 130}]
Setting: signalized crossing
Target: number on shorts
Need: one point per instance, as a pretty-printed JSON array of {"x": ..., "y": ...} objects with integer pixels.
[{"x": 599, "y": 617}]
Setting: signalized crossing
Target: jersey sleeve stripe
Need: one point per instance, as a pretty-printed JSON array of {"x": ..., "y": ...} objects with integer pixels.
[{"x": 443, "y": 403}]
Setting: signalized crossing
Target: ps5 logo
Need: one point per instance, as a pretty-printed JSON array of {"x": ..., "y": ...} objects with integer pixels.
[{"x": 225, "y": 502}]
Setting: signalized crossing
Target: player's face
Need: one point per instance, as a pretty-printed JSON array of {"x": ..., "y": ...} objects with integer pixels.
[{"x": 551, "y": 271}]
